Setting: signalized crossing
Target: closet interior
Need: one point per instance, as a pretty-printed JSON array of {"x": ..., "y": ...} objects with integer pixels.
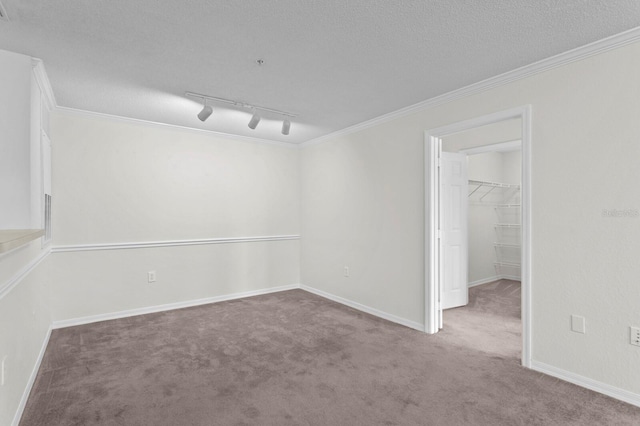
[{"x": 494, "y": 216}]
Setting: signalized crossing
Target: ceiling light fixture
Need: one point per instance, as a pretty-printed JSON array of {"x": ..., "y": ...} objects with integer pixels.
[
  {"x": 286, "y": 126},
  {"x": 255, "y": 118},
  {"x": 206, "y": 112}
]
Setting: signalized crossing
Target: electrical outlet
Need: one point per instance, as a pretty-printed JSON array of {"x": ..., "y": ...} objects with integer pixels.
[
  {"x": 346, "y": 271},
  {"x": 152, "y": 276},
  {"x": 634, "y": 338}
]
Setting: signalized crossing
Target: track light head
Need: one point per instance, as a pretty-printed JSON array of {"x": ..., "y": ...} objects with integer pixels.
[
  {"x": 205, "y": 113},
  {"x": 286, "y": 126},
  {"x": 255, "y": 119}
]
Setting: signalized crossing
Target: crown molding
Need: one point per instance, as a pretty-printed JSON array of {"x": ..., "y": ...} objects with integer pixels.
[
  {"x": 43, "y": 81},
  {"x": 574, "y": 55},
  {"x": 148, "y": 123}
]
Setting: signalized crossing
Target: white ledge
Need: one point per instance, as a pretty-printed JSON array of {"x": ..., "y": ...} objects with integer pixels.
[{"x": 14, "y": 238}]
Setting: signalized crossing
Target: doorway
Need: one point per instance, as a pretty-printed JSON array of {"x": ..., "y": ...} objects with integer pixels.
[{"x": 446, "y": 266}]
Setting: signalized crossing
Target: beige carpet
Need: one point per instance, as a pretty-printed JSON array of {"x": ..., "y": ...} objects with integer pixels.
[{"x": 293, "y": 358}]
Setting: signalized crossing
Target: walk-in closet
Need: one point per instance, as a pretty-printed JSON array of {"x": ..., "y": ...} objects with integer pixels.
[{"x": 494, "y": 216}]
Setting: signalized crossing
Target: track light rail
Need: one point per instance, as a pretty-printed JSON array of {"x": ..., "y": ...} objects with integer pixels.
[{"x": 238, "y": 104}]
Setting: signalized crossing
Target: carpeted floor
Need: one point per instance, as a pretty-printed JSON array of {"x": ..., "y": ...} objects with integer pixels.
[{"x": 293, "y": 358}]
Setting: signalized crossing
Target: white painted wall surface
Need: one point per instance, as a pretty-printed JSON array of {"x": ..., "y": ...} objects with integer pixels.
[
  {"x": 362, "y": 198},
  {"x": 122, "y": 181},
  {"x": 15, "y": 175},
  {"x": 512, "y": 167},
  {"x": 25, "y": 317},
  {"x": 496, "y": 133}
]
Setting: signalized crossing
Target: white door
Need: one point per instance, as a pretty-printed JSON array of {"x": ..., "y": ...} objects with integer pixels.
[{"x": 453, "y": 230}]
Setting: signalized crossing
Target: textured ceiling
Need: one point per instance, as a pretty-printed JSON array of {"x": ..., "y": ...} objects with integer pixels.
[{"x": 335, "y": 63}]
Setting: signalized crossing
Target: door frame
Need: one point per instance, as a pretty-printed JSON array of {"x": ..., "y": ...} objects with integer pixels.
[{"x": 432, "y": 149}]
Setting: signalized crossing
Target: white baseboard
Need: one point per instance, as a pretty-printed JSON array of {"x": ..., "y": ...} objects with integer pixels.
[
  {"x": 511, "y": 277},
  {"x": 31, "y": 381},
  {"x": 364, "y": 308},
  {"x": 483, "y": 281},
  {"x": 492, "y": 279},
  {"x": 585, "y": 382},
  {"x": 168, "y": 307}
]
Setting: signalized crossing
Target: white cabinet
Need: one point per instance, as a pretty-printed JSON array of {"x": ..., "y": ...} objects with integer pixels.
[
  {"x": 25, "y": 169},
  {"x": 15, "y": 136}
]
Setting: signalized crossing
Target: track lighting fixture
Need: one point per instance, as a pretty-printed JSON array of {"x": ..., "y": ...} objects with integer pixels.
[
  {"x": 286, "y": 126},
  {"x": 205, "y": 113},
  {"x": 255, "y": 118}
]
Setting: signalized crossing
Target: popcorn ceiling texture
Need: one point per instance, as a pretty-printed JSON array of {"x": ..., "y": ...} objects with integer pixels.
[
  {"x": 335, "y": 63},
  {"x": 293, "y": 358}
]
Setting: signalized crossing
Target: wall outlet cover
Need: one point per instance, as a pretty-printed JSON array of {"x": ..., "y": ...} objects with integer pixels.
[{"x": 578, "y": 324}]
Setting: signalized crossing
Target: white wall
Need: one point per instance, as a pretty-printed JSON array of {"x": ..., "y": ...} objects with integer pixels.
[
  {"x": 15, "y": 175},
  {"x": 490, "y": 134},
  {"x": 362, "y": 198},
  {"x": 512, "y": 167},
  {"x": 126, "y": 182},
  {"x": 25, "y": 316}
]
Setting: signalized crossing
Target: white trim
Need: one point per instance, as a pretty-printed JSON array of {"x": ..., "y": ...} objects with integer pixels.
[
  {"x": 19, "y": 276},
  {"x": 43, "y": 81},
  {"x": 119, "y": 118},
  {"x": 585, "y": 382},
  {"x": 431, "y": 247},
  {"x": 510, "y": 277},
  {"x": 169, "y": 243},
  {"x": 526, "y": 279},
  {"x": 432, "y": 148},
  {"x": 31, "y": 381},
  {"x": 168, "y": 307},
  {"x": 492, "y": 279},
  {"x": 484, "y": 281},
  {"x": 496, "y": 147},
  {"x": 364, "y": 308},
  {"x": 574, "y": 55}
]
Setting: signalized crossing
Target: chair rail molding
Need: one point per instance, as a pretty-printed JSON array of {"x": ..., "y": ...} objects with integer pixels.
[{"x": 170, "y": 243}]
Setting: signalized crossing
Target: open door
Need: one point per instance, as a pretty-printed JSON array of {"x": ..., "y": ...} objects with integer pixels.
[
  {"x": 436, "y": 294},
  {"x": 453, "y": 230}
]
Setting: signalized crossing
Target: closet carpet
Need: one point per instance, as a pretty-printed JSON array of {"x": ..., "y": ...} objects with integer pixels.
[{"x": 293, "y": 358}]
